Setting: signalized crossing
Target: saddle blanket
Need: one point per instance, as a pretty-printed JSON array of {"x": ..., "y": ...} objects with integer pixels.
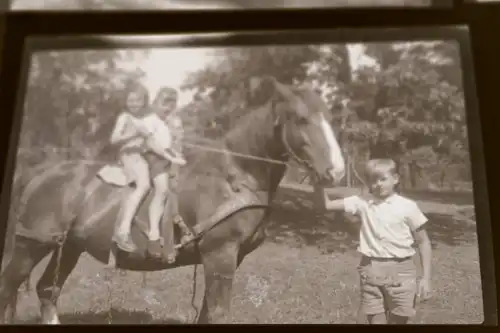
[{"x": 114, "y": 175}]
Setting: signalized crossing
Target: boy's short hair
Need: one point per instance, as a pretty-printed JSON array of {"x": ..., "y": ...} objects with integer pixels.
[
  {"x": 387, "y": 164},
  {"x": 168, "y": 92}
]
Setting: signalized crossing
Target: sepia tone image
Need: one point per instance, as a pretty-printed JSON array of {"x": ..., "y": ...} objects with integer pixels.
[
  {"x": 214, "y": 4},
  {"x": 276, "y": 184}
]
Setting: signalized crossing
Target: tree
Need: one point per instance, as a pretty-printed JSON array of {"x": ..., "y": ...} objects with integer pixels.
[
  {"x": 407, "y": 104},
  {"x": 226, "y": 80},
  {"x": 413, "y": 99},
  {"x": 71, "y": 96}
]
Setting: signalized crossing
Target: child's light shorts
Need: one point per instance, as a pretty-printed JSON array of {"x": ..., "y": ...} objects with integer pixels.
[{"x": 388, "y": 285}]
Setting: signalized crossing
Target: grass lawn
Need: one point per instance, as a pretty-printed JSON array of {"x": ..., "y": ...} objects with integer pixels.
[{"x": 304, "y": 273}]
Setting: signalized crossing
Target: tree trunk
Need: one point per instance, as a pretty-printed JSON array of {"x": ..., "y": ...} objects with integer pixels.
[{"x": 413, "y": 173}]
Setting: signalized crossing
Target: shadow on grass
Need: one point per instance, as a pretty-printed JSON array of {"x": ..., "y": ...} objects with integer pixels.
[
  {"x": 114, "y": 317},
  {"x": 295, "y": 222}
]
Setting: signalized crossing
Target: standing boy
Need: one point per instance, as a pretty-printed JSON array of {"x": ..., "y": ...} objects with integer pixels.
[{"x": 390, "y": 225}]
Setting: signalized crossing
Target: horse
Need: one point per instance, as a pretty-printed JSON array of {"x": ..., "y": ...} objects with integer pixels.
[{"x": 66, "y": 209}]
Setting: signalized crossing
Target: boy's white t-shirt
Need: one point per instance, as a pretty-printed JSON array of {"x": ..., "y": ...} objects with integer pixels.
[{"x": 386, "y": 226}]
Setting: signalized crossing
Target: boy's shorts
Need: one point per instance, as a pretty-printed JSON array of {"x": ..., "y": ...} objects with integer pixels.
[{"x": 388, "y": 285}]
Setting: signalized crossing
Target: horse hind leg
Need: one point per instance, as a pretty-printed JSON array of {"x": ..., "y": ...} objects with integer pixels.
[
  {"x": 61, "y": 264},
  {"x": 26, "y": 255}
]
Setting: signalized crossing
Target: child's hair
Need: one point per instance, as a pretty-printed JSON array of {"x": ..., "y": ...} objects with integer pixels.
[
  {"x": 169, "y": 92},
  {"x": 137, "y": 88},
  {"x": 386, "y": 164}
]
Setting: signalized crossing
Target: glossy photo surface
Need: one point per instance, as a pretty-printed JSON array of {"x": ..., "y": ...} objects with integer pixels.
[{"x": 366, "y": 150}]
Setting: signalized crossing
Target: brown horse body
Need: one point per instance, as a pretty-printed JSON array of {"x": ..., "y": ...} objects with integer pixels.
[{"x": 67, "y": 210}]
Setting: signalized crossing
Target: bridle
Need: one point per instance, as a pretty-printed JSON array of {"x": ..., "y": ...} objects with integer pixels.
[{"x": 289, "y": 151}]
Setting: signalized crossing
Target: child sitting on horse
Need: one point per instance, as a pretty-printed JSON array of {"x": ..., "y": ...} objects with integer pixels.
[
  {"x": 140, "y": 131},
  {"x": 166, "y": 107}
]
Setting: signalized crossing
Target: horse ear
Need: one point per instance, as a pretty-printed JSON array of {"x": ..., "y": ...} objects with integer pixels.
[{"x": 262, "y": 89}]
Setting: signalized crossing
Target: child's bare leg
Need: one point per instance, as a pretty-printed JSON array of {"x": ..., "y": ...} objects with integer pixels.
[
  {"x": 137, "y": 167},
  {"x": 372, "y": 297},
  {"x": 156, "y": 211},
  {"x": 377, "y": 319}
]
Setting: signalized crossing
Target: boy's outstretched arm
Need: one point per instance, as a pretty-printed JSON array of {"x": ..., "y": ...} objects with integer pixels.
[{"x": 321, "y": 197}]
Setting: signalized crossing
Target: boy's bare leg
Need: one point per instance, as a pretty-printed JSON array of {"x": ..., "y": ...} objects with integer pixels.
[
  {"x": 169, "y": 250},
  {"x": 156, "y": 211}
]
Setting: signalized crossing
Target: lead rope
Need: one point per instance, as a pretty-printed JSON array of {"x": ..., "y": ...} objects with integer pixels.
[
  {"x": 225, "y": 151},
  {"x": 109, "y": 274},
  {"x": 193, "y": 297},
  {"x": 109, "y": 317},
  {"x": 60, "y": 245}
]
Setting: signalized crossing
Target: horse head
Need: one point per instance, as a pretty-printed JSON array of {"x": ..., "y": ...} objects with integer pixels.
[{"x": 302, "y": 122}]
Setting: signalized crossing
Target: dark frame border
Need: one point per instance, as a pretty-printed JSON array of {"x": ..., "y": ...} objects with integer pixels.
[
  {"x": 460, "y": 34},
  {"x": 7, "y": 6}
]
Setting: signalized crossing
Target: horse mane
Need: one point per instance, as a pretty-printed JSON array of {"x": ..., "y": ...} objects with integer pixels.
[
  {"x": 252, "y": 131},
  {"x": 250, "y": 136}
]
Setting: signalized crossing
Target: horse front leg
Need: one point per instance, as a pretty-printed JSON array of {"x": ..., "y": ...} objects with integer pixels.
[
  {"x": 220, "y": 267},
  {"x": 49, "y": 286}
]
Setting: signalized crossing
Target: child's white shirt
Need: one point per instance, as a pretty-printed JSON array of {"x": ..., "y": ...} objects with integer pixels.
[
  {"x": 153, "y": 124},
  {"x": 387, "y": 226}
]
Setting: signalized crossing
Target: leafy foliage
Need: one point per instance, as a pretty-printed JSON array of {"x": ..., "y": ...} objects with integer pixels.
[{"x": 407, "y": 103}]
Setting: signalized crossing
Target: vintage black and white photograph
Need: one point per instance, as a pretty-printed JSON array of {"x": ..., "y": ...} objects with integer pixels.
[
  {"x": 214, "y": 4},
  {"x": 313, "y": 183}
]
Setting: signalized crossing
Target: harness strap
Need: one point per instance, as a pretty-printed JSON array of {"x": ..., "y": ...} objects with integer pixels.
[
  {"x": 244, "y": 199},
  {"x": 45, "y": 237}
]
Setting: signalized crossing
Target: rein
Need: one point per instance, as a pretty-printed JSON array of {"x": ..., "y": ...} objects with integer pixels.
[{"x": 282, "y": 133}]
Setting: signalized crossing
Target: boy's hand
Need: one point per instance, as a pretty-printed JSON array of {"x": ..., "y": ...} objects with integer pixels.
[{"x": 424, "y": 289}]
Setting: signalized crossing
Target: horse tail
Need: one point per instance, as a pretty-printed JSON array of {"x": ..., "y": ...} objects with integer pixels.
[
  {"x": 10, "y": 237},
  {"x": 22, "y": 178},
  {"x": 18, "y": 184}
]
